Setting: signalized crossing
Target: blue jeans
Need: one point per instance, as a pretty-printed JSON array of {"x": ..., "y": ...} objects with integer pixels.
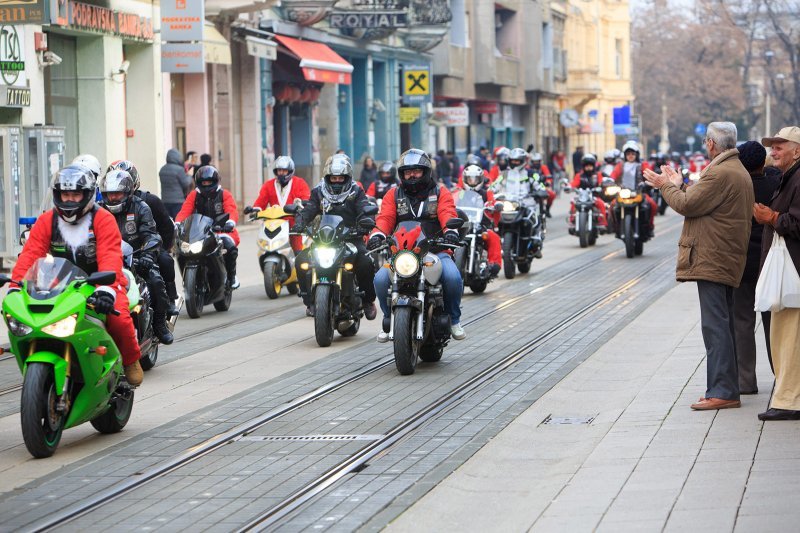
[{"x": 452, "y": 286}]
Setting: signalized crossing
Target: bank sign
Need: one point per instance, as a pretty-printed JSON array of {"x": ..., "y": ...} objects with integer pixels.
[
  {"x": 87, "y": 17},
  {"x": 25, "y": 11}
]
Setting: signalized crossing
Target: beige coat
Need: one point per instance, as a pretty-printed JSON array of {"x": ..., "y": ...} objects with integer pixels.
[{"x": 718, "y": 209}]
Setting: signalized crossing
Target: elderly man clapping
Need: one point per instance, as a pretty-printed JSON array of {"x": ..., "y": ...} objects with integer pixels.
[
  {"x": 783, "y": 217},
  {"x": 712, "y": 251}
]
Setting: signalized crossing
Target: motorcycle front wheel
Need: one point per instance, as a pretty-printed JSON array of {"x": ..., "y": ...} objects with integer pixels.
[
  {"x": 195, "y": 299},
  {"x": 272, "y": 282},
  {"x": 406, "y": 348},
  {"x": 583, "y": 234},
  {"x": 629, "y": 237},
  {"x": 225, "y": 303},
  {"x": 509, "y": 268},
  {"x": 323, "y": 315},
  {"x": 478, "y": 286},
  {"x": 41, "y": 424}
]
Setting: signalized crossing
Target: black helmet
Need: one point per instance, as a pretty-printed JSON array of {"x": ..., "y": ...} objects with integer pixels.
[
  {"x": 473, "y": 159},
  {"x": 388, "y": 172},
  {"x": 206, "y": 179},
  {"x": 74, "y": 178},
  {"x": 415, "y": 159},
  {"x": 588, "y": 159},
  {"x": 116, "y": 181},
  {"x": 337, "y": 165},
  {"x": 129, "y": 167},
  {"x": 286, "y": 163}
]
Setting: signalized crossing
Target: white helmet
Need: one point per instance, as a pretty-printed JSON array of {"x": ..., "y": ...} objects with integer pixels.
[
  {"x": 89, "y": 161},
  {"x": 473, "y": 177},
  {"x": 631, "y": 145}
]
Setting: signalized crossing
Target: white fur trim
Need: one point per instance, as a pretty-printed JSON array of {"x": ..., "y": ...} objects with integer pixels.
[
  {"x": 75, "y": 235},
  {"x": 108, "y": 290}
]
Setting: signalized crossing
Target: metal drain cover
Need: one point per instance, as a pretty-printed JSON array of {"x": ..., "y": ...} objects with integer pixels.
[
  {"x": 567, "y": 420},
  {"x": 307, "y": 438}
]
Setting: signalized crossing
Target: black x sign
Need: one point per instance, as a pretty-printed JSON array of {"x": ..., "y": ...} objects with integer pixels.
[{"x": 416, "y": 81}]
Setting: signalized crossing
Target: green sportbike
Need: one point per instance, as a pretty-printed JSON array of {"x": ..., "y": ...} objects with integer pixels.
[{"x": 72, "y": 370}]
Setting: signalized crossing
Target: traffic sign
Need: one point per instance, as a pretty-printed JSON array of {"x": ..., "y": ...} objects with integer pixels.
[
  {"x": 416, "y": 81},
  {"x": 700, "y": 129}
]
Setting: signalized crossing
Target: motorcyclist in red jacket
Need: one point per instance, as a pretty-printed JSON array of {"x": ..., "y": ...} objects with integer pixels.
[
  {"x": 211, "y": 200},
  {"x": 419, "y": 198},
  {"x": 500, "y": 163},
  {"x": 628, "y": 174},
  {"x": 387, "y": 179},
  {"x": 283, "y": 189},
  {"x": 474, "y": 180},
  {"x": 589, "y": 178},
  {"x": 77, "y": 230}
]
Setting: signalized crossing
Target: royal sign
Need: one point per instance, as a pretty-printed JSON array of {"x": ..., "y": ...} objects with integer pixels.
[{"x": 368, "y": 19}]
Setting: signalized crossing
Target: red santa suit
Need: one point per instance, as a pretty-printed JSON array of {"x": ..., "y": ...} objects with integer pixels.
[
  {"x": 273, "y": 194},
  {"x": 223, "y": 203}
]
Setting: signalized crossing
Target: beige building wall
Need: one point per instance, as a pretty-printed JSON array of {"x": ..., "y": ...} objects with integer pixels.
[{"x": 599, "y": 69}]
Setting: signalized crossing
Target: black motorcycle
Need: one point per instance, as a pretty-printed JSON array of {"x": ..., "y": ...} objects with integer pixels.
[
  {"x": 337, "y": 298},
  {"x": 418, "y": 325},
  {"x": 200, "y": 258},
  {"x": 586, "y": 216},
  {"x": 141, "y": 304},
  {"x": 632, "y": 215},
  {"x": 522, "y": 223},
  {"x": 472, "y": 259}
]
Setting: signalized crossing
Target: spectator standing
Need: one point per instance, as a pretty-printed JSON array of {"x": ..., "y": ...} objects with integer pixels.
[
  {"x": 783, "y": 217},
  {"x": 205, "y": 160},
  {"x": 191, "y": 163},
  {"x": 369, "y": 173},
  {"x": 752, "y": 156},
  {"x": 712, "y": 251},
  {"x": 175, "y": 183},
  {"x": 577, "y": 156},
  {"x": 445, "y": 169}
]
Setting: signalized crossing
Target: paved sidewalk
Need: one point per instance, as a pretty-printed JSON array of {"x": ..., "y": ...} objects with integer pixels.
[{"x": 646, "y": 462}]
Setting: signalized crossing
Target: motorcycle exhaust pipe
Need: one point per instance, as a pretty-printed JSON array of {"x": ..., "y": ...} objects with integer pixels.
[{"x": 174, "y": 318}]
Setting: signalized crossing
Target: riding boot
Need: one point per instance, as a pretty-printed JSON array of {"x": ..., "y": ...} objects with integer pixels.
[
  {"x": 172, "y": 292},
  {"x": 161, "y": 330},
  {"x": 230, "y": 266}
]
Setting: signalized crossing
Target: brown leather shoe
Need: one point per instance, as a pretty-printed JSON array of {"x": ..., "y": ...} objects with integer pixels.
[
  {"x": 134, "y": 374},
  {"x": 710, "y": 404}
]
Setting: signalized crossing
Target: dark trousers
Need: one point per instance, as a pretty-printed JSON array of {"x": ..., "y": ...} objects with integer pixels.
[
  {"x": 744, "y": 318},
  {"x": 365, "y": 273},
  {"x": 167, "y": 267},
  {"x": 717, "y": 324},
  {"x": 158, "y": 291}
]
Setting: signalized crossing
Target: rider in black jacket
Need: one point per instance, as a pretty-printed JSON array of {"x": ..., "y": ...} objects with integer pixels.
[
  {"x": 136, "y": 224},
  {"x": 164, "y": 225},
  {"x": 338, "y": 195}
]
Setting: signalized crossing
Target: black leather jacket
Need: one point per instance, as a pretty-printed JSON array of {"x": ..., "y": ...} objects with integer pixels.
[
  {"x": 350, "y": 210},
  {"x": 136, "y": 224},
  {"x": 164, "y": 223}
]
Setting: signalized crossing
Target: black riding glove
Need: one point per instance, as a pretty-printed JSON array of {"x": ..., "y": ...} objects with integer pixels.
[
  {"x": 145, "y": 262},
  {"x": 375, "y": 241},
  {"x": 451, "y": 237},
  {"x": 102, "y": 301}
]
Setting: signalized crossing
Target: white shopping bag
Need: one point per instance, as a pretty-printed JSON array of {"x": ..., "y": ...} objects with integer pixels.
[{"x": 778, "y": 284}]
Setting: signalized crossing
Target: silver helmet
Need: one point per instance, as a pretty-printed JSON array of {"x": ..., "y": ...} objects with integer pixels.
[
  {"x": 337, "y": 165},
  {"x": 116, "y": 181}
]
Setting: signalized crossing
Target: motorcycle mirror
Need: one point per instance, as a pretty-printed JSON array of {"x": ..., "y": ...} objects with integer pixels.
[
  {"x": 454, "y": 223},
  {"x": 366, "y": 223},
  {"x": 105, "y": 277},
  {"x": 370, "y": 210},
  {"x": 152, "y": 244},
  {"x": 290, "y": 209},
  {"x": 4, "y": 279}
]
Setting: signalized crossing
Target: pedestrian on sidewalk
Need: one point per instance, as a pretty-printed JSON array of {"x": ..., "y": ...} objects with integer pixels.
[
  {"x": 752, "y": 155},
  {"x": 369, "y": 173},
  {"x": 712, "y": 251},
  {"x": 175, "y": 184},
  {"x": 783, "y": 217}
]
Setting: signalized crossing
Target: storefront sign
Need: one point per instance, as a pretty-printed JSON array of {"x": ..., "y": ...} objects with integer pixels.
[
  {"x": 409, "y": 115},
  {"x": 369, "y": 19},
  {"x": 182, "y": 58},
  {"x": 78, "y": 16},
  {"x": 14, "y": 96},
  {"x": 261, "y": 48},
  {"x": 416, "y": 83},
  {"x": 489, "y": 108},
  {"x": 23, "y": 12},
  {"x": 182, "y": 20},
  {"x": 452, "y": 116},
  {"x": 12, "y": 62}
]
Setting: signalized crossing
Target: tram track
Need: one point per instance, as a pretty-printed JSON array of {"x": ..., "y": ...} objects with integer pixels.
[{"x": 297, "y": 499}]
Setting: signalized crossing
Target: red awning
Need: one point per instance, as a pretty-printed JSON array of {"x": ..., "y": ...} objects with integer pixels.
[{"x": 318, "y": 61}]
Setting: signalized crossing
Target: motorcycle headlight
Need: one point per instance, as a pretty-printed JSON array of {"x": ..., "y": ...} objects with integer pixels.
[
  {"x": 625, "y": 193},
  {"x": 17, "y": 328},
  {"x": 325, "y": 256},
  {"x": 185, "y": 247},
  {"x": 63, "y": 328},
  {"x": 196, "y": 247},
  {"x": 509, "y": 206},
  {"x": 406, "y": 265},
  {"x": 612, "y": 191}
]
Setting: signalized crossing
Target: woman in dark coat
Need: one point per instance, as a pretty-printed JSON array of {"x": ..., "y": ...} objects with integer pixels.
[{"x": 369, "y": 173}]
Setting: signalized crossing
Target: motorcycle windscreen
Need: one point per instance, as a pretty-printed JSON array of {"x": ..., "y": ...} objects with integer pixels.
[
  {"x": 195, "y": 228},
  {"x": 515, "y": 185},
  {"x": 330, "y": 226},
  {"x": 409, "y": 235},
  {"x": 50, "y": 276},
  {"x": 471, "y": 203}
]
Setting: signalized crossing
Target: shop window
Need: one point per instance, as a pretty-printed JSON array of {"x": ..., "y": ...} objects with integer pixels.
[{"x": 618, "y": 57}]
